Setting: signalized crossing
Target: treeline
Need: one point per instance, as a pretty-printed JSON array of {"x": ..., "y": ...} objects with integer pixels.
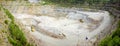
[
  {"x": 89, "y": 3},
  {"x": 78, "y": 1},
  {"x": 114, "y": 4}
]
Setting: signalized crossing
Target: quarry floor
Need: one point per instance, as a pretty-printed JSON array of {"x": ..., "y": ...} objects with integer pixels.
[{"x": 59, "y": 26}]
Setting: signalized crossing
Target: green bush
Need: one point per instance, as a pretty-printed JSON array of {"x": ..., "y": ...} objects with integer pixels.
[
  {"x": 6, "y": 21},
  {"x": 16, "y": 35}
]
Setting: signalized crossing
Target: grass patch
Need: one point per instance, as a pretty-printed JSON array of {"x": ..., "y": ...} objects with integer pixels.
[{"x": 8, "y": 14}]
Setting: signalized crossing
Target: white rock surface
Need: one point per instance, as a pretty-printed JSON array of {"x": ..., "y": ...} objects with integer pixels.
[
  {"x": 75, "y": 31},
  {"x": 33, "y": 1}
]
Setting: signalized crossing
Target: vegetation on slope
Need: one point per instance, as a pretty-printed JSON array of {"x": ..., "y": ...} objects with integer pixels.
[
  {"x": 16, "y": 37},
  {"x": 113, "y": 39}
]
